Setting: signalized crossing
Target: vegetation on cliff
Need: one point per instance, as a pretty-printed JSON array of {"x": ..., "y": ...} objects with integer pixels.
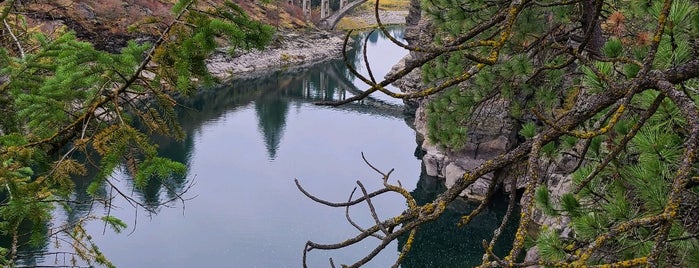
[{"x": 604, "y": 92}]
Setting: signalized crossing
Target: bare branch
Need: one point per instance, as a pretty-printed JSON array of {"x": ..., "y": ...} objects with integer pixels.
[
  {"x": 349, "y": 219},
  {"x": 19, "y": 45},
  {"x": 331, "y": 204}
]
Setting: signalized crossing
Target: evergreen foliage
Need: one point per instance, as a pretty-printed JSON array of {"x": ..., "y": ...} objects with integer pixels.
[
  {"x": 64, "y": 101},
  {"x": 637, "y": 184},
  {"x": 604, "y": 95}
]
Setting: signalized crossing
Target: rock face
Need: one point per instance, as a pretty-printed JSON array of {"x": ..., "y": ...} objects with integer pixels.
[{"x": 493, "y": 133}]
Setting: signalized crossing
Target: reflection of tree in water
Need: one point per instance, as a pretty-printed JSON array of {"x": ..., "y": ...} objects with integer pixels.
[
  {"x": 159, "y": 190},
  {"x": 34, "y": 244},
  {"x": 281, "y": 89},
  {"x": 271, "y": 110},
  {"x": 374, "y": 37},
  {"x": 271, "y": 96},
  {"x": 31, "y": 248},
  {"x": 149, "y": 197},
  {"x": 81, "y": 203},
  {"x": 33, "y": 237},
  {"x": 442, "y": 243}
]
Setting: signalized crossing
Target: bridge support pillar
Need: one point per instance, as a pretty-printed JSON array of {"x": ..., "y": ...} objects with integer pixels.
[
  {"x": 324, "y": 9},
  {"x": 306, "y": 7},
  {"x": 324, "y": 86},
  {"x": 343, "y": 3}
]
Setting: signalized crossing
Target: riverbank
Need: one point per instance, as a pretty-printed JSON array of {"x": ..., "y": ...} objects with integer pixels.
[
  {"x": 365, "y": 18},
  {"x": 291, "y": 49},
  {"x": 294, "y": 49}
]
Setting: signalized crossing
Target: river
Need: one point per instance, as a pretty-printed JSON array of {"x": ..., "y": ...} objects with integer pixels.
[{"x": 246, "y": 143}]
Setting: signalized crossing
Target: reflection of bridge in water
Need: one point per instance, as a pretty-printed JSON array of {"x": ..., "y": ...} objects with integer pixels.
[
  {"x": 321, "y": 83},
  {"x": 272, "y": 96},
  {"x": 344, "y": 89}
]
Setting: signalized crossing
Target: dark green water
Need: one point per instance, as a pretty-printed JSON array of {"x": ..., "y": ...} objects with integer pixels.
[{"x": 246, "y": 143}]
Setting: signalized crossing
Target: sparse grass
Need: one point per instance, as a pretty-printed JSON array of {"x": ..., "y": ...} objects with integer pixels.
[
  {"x": 392, "y": 4},
  {"x": 386, "y": 5},
  {"x": 363, "y": 16},
  {"x": 349, "y": 23}
]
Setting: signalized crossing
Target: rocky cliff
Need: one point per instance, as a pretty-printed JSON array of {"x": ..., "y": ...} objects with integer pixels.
[{"x": 494, "y": 132}]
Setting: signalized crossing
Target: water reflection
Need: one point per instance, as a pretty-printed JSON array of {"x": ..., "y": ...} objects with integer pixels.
[
  {"x": 32, "y": 243},
  {"x": 272, "y": 95},
  {"x": 271, "y": 110},
  {"x": 248, "y": 213}
]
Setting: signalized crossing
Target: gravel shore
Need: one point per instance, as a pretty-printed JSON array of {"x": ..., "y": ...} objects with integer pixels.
[
  {"x": 294, "y": 49},
  {"x": 289, "y": 50}
]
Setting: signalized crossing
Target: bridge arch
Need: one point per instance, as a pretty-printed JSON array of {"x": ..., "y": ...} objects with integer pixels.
[{"x": 328, "y": 21}]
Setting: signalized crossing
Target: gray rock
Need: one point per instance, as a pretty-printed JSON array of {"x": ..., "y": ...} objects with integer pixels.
[
  {"x": 434, "y": 163},
  {"x": 491, "y": 133},
  {"x": 453, "y": 173},
  {"x": 479, "y": 189},
  {"x": 532, "y": 255}
]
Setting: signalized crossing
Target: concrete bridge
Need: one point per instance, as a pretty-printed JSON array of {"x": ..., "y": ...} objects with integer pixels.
[{"x": 327, "y": 20}]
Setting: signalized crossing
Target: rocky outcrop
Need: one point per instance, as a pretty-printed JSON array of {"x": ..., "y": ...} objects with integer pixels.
[{"x": 493, "y": 133}]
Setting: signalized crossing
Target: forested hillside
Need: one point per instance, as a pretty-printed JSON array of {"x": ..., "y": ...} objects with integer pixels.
[{"x": 109, "y": 25}]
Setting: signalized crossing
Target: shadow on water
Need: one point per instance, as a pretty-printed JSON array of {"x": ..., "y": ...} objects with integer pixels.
[{"x": 442, "y": 243}]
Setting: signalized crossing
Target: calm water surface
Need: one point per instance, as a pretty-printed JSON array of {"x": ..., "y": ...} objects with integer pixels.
[{"x": 246, "y": 143}]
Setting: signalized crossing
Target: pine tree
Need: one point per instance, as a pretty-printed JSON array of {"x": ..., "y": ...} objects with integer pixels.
[
  {"x": 609, "y": 86},
  {"x": 63, "y": 100}
]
